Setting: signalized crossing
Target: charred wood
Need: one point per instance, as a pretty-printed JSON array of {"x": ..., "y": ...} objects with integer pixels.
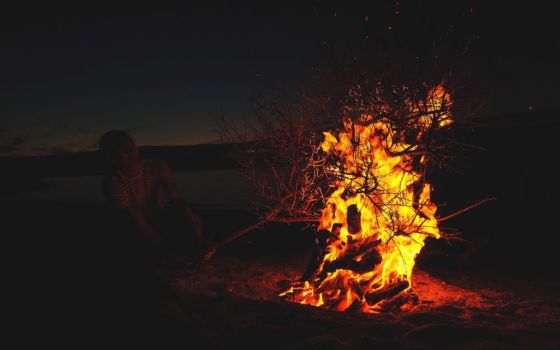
[
  {"x": 353, "y": 219},
  {"x": 386, "y": 293}
]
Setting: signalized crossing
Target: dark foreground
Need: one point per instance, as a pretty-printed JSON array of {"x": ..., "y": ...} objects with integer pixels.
[{"x": 73, "y": 287}]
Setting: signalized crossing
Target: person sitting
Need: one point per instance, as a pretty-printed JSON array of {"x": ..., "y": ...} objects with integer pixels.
[{"x": 163, "y": 232}]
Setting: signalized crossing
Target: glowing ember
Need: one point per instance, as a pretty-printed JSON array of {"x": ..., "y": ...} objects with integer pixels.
[{"x": 377, "y": 218}]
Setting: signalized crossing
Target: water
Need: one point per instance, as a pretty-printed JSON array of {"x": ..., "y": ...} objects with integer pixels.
[{"x": 212, "y": 189}]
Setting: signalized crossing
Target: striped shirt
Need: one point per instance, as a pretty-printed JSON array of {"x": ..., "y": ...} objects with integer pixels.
[{"x": 141, "y": 191}]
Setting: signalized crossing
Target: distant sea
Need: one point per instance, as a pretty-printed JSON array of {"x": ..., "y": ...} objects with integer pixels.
[{"x": 202, "y": 189}]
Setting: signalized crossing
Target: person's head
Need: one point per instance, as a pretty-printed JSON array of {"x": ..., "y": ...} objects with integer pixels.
[{"x": 118, "y": 149}]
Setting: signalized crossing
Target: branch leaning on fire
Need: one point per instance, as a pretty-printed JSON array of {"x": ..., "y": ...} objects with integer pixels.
[{"x": 285, "y": 139}]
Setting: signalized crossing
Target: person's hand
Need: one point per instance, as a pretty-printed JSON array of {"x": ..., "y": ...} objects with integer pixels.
[
  {"x": 197, "y": 224},
  {"x": 208, "y": 254}
]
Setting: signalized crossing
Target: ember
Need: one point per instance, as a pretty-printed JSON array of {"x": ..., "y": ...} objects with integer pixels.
[{"x": 379, "y": 213}]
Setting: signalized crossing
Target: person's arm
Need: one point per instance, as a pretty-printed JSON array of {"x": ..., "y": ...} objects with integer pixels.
[
  {"x": 172, "y": 192},
  {"x": 118, "y": 196}
]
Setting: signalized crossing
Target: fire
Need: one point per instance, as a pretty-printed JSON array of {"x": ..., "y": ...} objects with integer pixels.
[{"x": 380, "y": 213}]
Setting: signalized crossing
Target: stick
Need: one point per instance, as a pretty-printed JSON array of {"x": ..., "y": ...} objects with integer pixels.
[
  {"x": 445, "y": 218},
  {"x": 207, "y": 255}
]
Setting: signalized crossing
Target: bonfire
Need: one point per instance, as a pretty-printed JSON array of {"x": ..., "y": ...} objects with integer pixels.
[
  {"x": 363, "y": 181},
  {"x": 379, "y": 213}
]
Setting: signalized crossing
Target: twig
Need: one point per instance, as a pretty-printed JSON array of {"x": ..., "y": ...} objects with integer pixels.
[{"x": 445, "y": 218}]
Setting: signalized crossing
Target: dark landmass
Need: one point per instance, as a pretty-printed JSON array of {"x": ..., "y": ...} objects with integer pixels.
[{"x": 497, "y": 135}]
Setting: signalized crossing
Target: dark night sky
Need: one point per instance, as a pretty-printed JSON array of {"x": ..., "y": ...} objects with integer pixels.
[{"x": 69, "y": 74}]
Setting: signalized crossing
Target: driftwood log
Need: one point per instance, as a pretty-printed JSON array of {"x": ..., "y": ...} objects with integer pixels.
[{"x": 386, "y": 293}]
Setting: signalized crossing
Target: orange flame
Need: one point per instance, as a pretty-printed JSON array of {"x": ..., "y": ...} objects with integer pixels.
[{"x": 394, "y": 218}]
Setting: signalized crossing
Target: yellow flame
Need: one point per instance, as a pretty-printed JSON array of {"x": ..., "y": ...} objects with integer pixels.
[{"x": 398, "y": 212}]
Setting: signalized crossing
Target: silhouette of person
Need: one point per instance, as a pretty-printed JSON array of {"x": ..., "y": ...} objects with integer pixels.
[{"x": 162, "y": 231}]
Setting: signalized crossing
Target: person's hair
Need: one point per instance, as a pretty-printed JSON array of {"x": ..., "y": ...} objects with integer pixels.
[{"x": 109, "y": 141}]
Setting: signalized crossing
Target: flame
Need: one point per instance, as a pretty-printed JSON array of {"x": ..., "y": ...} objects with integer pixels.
[{"x": 381, "y": 229}]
